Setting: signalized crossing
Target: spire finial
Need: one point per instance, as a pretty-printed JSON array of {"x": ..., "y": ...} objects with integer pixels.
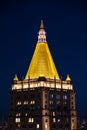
[
  {"x": 15, "y": 77},
  {"x": 68, "y": 78},
  {"x": 42, "y": 33},
  {"x": 41, "y": 25}
]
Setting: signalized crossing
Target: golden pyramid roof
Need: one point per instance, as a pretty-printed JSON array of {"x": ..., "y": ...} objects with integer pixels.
[{"x": 42, "y": 64}]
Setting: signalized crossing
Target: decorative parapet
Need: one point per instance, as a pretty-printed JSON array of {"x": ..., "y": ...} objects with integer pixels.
[{"x": 34, "y": 83}]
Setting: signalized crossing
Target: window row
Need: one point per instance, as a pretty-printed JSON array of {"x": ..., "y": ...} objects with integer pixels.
[
  {"x": 52, "y": 114},
  {"x": 58, "y": 96},
  {"x": 31, "y": 120},
  {"x": 58, "y": 102},
  {"x": 50, "y": 95},
  {"x": 25, "y": 102},
  {"x": 50, "y": 102},
  {"x": 29, "y": 96},
  {"x": 25, "y": 126},
  {"x": 18, "y": 120}
]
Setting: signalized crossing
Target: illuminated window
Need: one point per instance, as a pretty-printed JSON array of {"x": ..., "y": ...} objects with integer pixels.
[
  {"x": 65, "y": 97},
  {"x": 37, "y": 126},
  {"x": 51, "y": 95},
  {"x": 19, "y": 125},
  {"x": 19, "y": 103},
  {"x": 58, "y": 120},
  {"x": 18, "y": 114},
  {"x": 72, "y": 125},
  {"x": 54, "y": 120},
  {"x": 53, "y": 113},
  {"x": 45, "y": 125},
  {"x": 17, "y": 120},
  {"x": 65, "y": 103},
  {"x": 51, "y": 102},
  {"x": 25, "y": 114},
  {"x": 32, "y": 102},
  {"x": 25, "y": 102},
  {"x": 31, "y": 120}
]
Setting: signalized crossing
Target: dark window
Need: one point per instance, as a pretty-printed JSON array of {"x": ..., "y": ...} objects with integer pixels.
[
  {"x": 45, "y": 102},
  {"x": 46, "y": 120},
  {"x": 57, "y": 96},
  {"x": 57, "y": 102},
  {"x": 19, "y": 97},
  {"x": 45, "y": 106},
  {"x": 51, "y": 95},
  {"x": 23, "y": 126},
  {"x": 30, "y": 126},
  {"x": 11, "y": 126},
  {"x": 65, "y": 108},
  {"x": 72, "y": 103},
  {"x": 32, "y": 96},
  {"x": 58, "y": 108},
  {"x": 26, "y": 96},
  {"x": 53, "y": 125},
  {"x": 60, "y": 125},
  {"x": 45, "y": 95},
  {"x": 46, "y": 113}
]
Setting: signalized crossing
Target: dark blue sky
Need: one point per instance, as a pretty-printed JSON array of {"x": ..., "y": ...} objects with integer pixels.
[{"x": 66, "y": 27}]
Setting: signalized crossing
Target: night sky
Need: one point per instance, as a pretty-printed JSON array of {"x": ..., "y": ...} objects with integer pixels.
[{"x": 66, "y": 27}]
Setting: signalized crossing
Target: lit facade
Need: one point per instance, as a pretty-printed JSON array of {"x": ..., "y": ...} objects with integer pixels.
[{"x": 42, "y": 101}]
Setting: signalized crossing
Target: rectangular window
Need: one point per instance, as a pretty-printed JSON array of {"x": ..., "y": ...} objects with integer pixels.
[
  {"x": 64, "y": 103},
  {"x": 65, "y": 97},
  {"x": 37, "y": 126},
  {"x": 19, "y": 103},
  {"x": 57, "y": 102},
  {"x": 18, "y": 125},
  {"x": 18, "y": 114},
  {"x": 58, "y": 120},
  {"x": 32, "y": 102},
  {"x": 45, "y": 125},
  {"x": 25, "y": 102},
  {"x": 51, "y": 95},
  {"x": 53, "y": 113},
  {"x": 26, "y": 114},
  {"x": 17, "y": 120},
  {"x": 57, "y": 96},
  {"x": 54, "y": 120},
  {"x": 51, "y": 102},
  {"x": 31, "y": 120},
  {"x": 45, "y": 95}
]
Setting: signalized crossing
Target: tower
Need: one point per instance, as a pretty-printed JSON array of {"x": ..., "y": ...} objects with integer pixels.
[{"x": 42, "y": 100}]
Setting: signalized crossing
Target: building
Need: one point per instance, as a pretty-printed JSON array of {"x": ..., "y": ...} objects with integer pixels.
[
  {"x": 3, "y": 125},
  {"x": 42, "y": 100},
  {"x": 82, "y": 125}
]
